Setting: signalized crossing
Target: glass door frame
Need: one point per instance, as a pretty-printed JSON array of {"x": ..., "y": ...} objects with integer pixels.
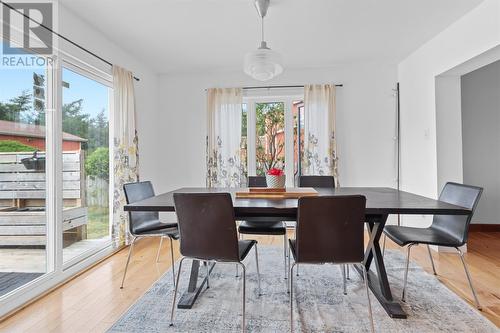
[{"x": 287, "y": 97}]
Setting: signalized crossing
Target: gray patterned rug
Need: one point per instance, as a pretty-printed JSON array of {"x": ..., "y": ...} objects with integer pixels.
[{"x": 320, "y": 305}]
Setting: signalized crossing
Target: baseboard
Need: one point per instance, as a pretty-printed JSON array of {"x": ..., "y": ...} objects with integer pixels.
[{"x": 484, "y": 227}]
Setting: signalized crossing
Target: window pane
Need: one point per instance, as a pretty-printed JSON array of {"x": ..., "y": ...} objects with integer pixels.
[
  {"x": 23, "y": 221},
  {"x": 298, "y": 138},
  {"x": 270, "y": 136},
  {"x": 85, "y": 164}
]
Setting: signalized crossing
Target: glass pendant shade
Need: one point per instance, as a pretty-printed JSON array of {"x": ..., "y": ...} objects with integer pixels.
[{"x": 263, "y": 64}]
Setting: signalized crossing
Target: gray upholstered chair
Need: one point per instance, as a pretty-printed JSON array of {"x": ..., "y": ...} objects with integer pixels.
[
  {"x": 147, "y": 224},
  {"x": 445, "y": 230}
]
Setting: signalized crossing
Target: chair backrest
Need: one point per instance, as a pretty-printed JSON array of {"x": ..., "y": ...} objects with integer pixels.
[
  {"x": 257, "y": 181},
  {"x": 316, "y": 181},
  {"x": 207, "y": 226},
  {"x": 457, "y": 226},
  {"x": 330, "y": 229},
  {"x": 135, "y": 192}
]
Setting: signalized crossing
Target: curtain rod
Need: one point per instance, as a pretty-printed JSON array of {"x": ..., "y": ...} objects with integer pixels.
[
  {"x": 63, "y": 37},
  {"x": 273, "y": 87}
]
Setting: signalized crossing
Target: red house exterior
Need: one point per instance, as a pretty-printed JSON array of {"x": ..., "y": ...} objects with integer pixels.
[{"x": 34, "y": 136}]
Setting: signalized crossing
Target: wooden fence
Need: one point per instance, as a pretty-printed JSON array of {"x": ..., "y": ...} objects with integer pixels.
[{"x": 22, "y": 198}]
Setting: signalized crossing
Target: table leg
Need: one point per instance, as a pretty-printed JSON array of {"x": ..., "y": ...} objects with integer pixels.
[
  {"x": 188, "y": 298},
  {"x": 378, "y": 282}
]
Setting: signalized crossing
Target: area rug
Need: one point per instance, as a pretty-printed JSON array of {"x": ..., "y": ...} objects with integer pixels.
[{"x": 320, "y": 305}]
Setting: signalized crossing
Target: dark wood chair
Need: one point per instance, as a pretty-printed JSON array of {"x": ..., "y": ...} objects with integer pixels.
[
  {"x": 208, "y": 233},
  {"x": 445, "y": 230},
  {"x": 316, "y": 181},
  {"x": 330, "y": 229},
  {"x": 147, "y": 224},
  {"x": 274, "y": 228}
]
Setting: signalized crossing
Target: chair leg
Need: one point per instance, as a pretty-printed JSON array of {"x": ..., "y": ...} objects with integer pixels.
[
  {"x": 383, "y": 245},
  {"x": 432, "y": 260},
  {"x": 208, "y": 273},
  {"x": 469, "y": 278},
  {"x": 243, "y": 328},
  {"x": 342, "y": 267},
  {"x": 128, "y": 260},
  {"x": 289, "y": 271},
  {"x": 175, "y": 292},
  {"x": 172, "y": 258},
  {"x": 285, "y": 240},
  {"x": 406, "y": 271},
  {"x": 241, "y": 237},
  {"x": 258, "y": 271},
  {"x": 291, "y": 297},
  {"x": 159, "y": 250},
  {"x": 368, "y": 298},
  {"x": 347, "y": 271}
]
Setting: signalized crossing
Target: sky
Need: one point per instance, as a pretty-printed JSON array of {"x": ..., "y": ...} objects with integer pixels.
[{"x": 94, "y": 94}]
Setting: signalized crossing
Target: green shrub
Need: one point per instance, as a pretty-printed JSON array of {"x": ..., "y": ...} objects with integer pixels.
[
  {"x": 97, "y": 164},
  {"x": 8, "y": 146}
]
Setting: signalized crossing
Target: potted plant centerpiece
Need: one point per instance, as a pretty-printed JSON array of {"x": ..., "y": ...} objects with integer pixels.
[{"x": 275, "y": 178}]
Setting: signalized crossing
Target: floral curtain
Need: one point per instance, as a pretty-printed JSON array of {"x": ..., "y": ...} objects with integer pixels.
[
  {"x": 224, "y": 167},
  {"x": 320, "y": 147},
  {"x": 125, "y": 150}
]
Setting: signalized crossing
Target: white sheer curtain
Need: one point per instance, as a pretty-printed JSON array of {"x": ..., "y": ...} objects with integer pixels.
[
  {"x": 224, "y": 168},
  {"x": 320, "y": 147},
  {"x": 125, "y": 153}
]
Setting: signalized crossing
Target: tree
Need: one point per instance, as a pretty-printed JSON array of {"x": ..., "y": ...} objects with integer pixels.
[
  {"x": 98, "y": 131},
  {"x": 74, "y": 121},
  {"x": 17, "y": 109},
  {"x": 97, "y": 164},
  {"x": 270, "y": 122}
]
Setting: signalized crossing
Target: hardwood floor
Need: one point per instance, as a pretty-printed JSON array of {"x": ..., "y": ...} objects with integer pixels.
[{"x": 93, "y": 301}]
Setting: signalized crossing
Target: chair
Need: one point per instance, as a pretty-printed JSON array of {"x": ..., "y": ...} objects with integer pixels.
[
  {"x": 316, "y": 181},
  {"x": 330, "y": 229},
  {"x": 263, "y": 227},
  {"x": 147, "y": 224},
  {"x": 445, "y": 230},
  {"x": 208, "y": 233}
]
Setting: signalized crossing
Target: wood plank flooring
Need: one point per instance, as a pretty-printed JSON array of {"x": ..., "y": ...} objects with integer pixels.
[{"x": 93, "y": 301}]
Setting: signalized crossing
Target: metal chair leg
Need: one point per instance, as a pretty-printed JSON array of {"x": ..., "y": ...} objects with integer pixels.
[
  {"x": 159, "y": 250},
  {"x": 368, "y": 298},
  {"x": 285, "y": 240},
  {"x": 406, "y": 271},
  {"x": 342, "y": 267},
  {"x": 289, "y": 271},
  {"x": 172, "y": 257},
  {"x": 208, "y": 273},
  {"x": 243, "y": 328},
  {"x": 383, "y": 245},
  {"x": 128, "y": 260},
  {"x": 432, "y": 260},
  {"x": 469, "y": 278},
  {"x": 347, "y": 271},
  {"x": 175, "y": 292},
  {"x": 241, "y": 237},
  {"x": 258, "y": 271},
  {"x": 291, "y": 297}
]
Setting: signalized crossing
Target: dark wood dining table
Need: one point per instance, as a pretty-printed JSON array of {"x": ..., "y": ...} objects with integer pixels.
[{"x": 380, "y": 203}]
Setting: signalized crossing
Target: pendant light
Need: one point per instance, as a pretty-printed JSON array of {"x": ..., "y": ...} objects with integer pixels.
[{"x": 263, "y": 64}]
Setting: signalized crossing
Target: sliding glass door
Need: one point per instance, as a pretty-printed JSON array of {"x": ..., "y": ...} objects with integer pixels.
[{"x": 86, "y": 156}]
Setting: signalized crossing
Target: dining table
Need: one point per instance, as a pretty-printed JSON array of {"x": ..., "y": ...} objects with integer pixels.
[{"x": 380, "y": 203}]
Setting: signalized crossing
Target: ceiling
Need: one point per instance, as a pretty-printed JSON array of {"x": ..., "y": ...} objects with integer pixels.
[{"x": 205, "y": 35}]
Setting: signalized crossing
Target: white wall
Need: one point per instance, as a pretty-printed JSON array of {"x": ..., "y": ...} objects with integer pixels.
[
  {"x": 481, "y": 138},
  {"x": 473, "y": 34},
  {"x": 365, "y": 121},
  {"x": 146, "y": 89}
]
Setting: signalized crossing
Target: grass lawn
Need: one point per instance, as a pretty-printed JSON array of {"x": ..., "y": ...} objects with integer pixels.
[{"x": 98, "y": 222}]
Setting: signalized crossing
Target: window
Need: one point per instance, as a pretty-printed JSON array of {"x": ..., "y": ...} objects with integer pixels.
[{"x": 272, "y": 134}]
